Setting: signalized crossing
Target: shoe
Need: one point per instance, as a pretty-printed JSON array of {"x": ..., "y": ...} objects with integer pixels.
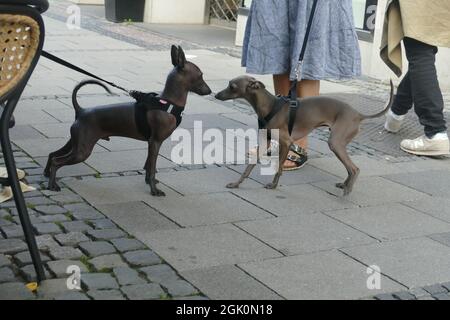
[
  {"x": 439, "y": 145},
  {"x": 393, "y": 122}
]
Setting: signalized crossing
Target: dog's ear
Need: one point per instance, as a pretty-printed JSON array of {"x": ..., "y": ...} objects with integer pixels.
[
  {"x": 256, "y": 85},
  {"x": 174, "y": 55},
  {"x": 181, "y": 58}
]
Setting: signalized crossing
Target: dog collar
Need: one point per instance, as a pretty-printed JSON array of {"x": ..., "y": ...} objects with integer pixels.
[{"x": 279, "y": 104}]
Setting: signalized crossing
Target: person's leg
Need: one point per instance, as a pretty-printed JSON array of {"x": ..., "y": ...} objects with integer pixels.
[
  {"x": 403, "y": 100},
  {"x": 427, "y": 96},
  {"x": 428, "y": 101},
  {"x": 305, "y": 88}
]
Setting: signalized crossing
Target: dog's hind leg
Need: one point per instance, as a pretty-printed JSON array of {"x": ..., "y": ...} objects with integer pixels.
[
  {"x": 339, "y": 138},
  {"x": 58, "y": 153},
  {"x": 77, "y": 154}
]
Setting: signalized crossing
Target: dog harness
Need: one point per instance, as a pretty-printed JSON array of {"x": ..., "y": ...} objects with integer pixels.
[
  {"x": 279, "y": 104},
  {"x": 146, "y": 102}
]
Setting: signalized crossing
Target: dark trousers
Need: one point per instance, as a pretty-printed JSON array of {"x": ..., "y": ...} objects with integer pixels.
[{"x": 420, "y": 87}]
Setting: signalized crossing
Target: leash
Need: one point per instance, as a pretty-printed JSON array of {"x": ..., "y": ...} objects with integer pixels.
[
  {"x": 78, "y": 69},
  {"x": 294, "y": 103}
]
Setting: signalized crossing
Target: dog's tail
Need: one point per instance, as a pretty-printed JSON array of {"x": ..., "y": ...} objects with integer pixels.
[
  {"x": 75, "y": 103},
  {"x": 388, "y": 106}
]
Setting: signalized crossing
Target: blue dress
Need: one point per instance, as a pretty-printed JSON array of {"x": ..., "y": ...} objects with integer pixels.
[{"x": 276, "y": 29}]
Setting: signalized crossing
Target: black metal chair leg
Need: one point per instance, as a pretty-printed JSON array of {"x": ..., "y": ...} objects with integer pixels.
[{"x": 13, "y": 180}]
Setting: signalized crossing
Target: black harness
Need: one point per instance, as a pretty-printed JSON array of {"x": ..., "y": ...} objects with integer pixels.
[
  {"x": 148, "y": 102},
  {"x": 279, "y": 104}
]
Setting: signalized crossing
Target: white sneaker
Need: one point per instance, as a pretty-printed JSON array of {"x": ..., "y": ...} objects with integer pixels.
[
  {"x": 439, "y": 145},
  {"x": 393, "y": 122}
]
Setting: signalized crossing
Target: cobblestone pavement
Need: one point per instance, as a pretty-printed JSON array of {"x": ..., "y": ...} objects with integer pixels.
[{"x": 302, "y": 241}]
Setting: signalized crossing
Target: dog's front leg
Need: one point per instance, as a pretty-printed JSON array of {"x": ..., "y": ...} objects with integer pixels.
[
  {"x": 150, "y": 175},
  {"x": 244, "y": 176},
  {"x": 284, "y": 151}
]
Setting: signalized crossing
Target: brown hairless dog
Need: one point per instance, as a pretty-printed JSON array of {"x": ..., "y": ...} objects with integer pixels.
[
  {"x": 93, "y": 124},
  {"x": 341, "y": 118}
]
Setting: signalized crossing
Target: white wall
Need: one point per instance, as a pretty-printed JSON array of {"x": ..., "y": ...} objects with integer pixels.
[{"x": 175, "y": 11}]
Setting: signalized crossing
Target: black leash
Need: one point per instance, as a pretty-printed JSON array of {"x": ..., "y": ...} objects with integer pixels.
[
  {"x": 78, "y": 69},
  {"x": 294, "y": 103}
]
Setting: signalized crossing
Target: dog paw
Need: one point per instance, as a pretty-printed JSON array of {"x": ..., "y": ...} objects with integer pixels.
[
  {"x": 233, "y": 185},
  {"x": 270, "y": 186},
  {"x": 340, "y": 185},
  {"x": 158, "y": 193},
  {"x": 54, "y": 187}
]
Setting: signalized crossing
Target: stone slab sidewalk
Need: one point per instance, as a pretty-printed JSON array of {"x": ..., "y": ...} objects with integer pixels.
[{"x": 301, "y": 241}]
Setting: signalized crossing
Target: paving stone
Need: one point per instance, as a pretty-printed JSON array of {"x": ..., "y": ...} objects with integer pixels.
[
  {"x": 74, "y": 226},
  {"x": 418, "y": 292},
  {"x": 54, "y": 218},
  {"x": 127, "y": 276},
  {"x": 39, "y": 201},
  {"x": 195, "y": 298},
  {"x": 13, "y": 231},
  {"x": 202, "y": 247},
  {"x": 160, "y": 273},
  {"x": 143, "y": 291},
  {"x": 65, "y": 253},
  {"x": 97, "y": 192},
  {"x": 4, "y": 222},
  {"x": 97, "y": 248},
  {"x": 442, "y": 296},
  {"x": 385, "y": 296},
  {"x": 106, "y": 295},
  {"x": 404, "y": 295},
  {"x": 435, "y": 289},
  {"x": 4, "y": 261},
  {"x": 24, "y": 258},
  {"x": 4, "y": 213},
  {"x": 82, "y": 211},
  {"x": 106, "y": 234},
  {"x": 347, "y": 279},
  {"x": 71, "y": 239},
  {"x": 45, "y": 242},
  {"x": 29, "y": 273},
  {"x": 15, "y": 291},
  {"x": 386, "y": 222},
  {"x": 417, "y": 262},
  {"x": 99, "y": 281},
  {"x": 227, "y": 282},
  {"x": 178, "y": 288},
  {"x": 6, "y": 275},
  {"x": 446, "y": 285},
  {"x": 59, "y": 267},
  {"x": 47, "y": 228},
  {"x": 12, "y": 246},
  {"x": 107, "y": 262},
  {"x": 33, "y": 219},
  {"x": 141, "y": 258},
  {"x": 301, "y": 234},
  {"x": 125, "y": 244},
  {"x": 431, "y": 182},
  {"x": 49, "y": 289},
  {"x": 139, "y": 215},
  {"x": 426, "y": 298},
  {"x": 103, "y": 224},
  {"x": 373, "y": 191},
  {"x": 434, "y": 206},
  {"x": 72, "y": 295}
]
